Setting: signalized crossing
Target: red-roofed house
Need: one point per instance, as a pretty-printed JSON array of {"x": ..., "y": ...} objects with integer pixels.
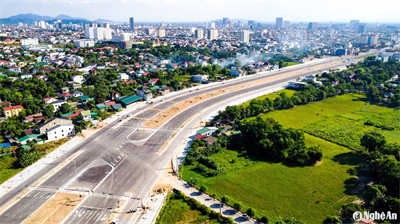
[
  {"x": 199, "y": 137},
  {"x": 153, "y": 81},
  {"x": 12, "y": 110},
  {"x": 110, "y": 103},
  {"x": 65, "y": 96}
]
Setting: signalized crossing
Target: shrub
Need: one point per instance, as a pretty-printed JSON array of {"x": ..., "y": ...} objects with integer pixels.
[
  {"x": 251, "y": 212},
  {"x": 265, "y": 220},
  {"x": 237, "y": 206},
  {"x": 230, "y": 220},
  {"x": 203, "y": 189},
  {"x": 225, "y": 199},
  {"x": 332, "y": 220}
]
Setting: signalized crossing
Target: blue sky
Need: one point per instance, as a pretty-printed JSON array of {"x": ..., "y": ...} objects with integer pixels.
[{"x": 206, "y": 10}]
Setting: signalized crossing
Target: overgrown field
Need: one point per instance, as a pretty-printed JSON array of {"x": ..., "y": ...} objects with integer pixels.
[
  {"x": 308, "y": 193},
  {"x": 178, "y": 211},
  {"x": 8, "y": 167},
  {"x": 341, "y": 119},
  {"x": 272, "y": 96}
]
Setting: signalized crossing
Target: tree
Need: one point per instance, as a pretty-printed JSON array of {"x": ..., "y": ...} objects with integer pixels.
[
  {"x": 348, "y": 210},
  {"x": 332, "y": 220},
  {"x": 373, "y": 141},
  {"x": 374, "y": 193},
  {"x": 265, "y": 220},
  {"x": 203, "y": 189},
  {"x": 48, "y": 111},
  {"x": 193, "y": 181},
  {"x": 281, "y": 63},
  {"x": 251, "y": 212},
  {"x": 230, "y": 220},
  {"x": 78, "y": 129},
  {"x": 225, "y": 199},
  {"x": 65, "y": 108},
  {"x": 237, "y": 206}
]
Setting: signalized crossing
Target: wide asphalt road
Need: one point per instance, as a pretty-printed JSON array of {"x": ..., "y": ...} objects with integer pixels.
[{"x": 135, "y": 167}]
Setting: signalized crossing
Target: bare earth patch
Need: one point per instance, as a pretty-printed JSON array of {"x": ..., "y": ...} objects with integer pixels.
[
  {"x": 165, "y": 180},
  {"x": 56, "y": 209},
  {"x": 318, "y": 163},
  {"x": 163, "y": 117}
]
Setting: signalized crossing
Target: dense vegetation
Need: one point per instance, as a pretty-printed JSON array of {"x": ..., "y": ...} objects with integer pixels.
[{"x": 179, "y": 208}]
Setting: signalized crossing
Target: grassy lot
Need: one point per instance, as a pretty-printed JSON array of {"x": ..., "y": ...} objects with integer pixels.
[
  {"x": 183, "y": 78},
  {"x": 272, "y": 96},
  {"x": 364, "y": 56},
  {"x": 308, "y": 193},
  {"x": 178, "y": 211},
  {"x": 292, "y": 63},
  {"x": 9, "y": 165},
  {"x": 276, "y": 189},
  {"x": 340, "y": 119}
]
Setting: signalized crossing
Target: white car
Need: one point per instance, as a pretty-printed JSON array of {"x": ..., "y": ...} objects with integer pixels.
[{"x": 115, "y": 221}]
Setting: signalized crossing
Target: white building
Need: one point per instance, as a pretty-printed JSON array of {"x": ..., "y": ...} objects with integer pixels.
[
  {"x": 212, "y": 25},
  {"x": 89, "y": 32},
  {"x": 60, "y": 131},
  {"x": 77, "y": 79},
  {"x": 84, "y": 43},
  {"x": 211, "y": 34},
  {"x": 161, "y": 32},
  {"x": 192, "y": 29},
  {"x": 244, "y": 36},
  {"x": 29, "y": 41},
  {"x": 200, "y": 78},
  {"x": 57, "y": 104},
  {"x": 42, "y": 24},
  {"x": 283, "y": 37},
  {"x": 198, "y": 34},
  {"x": 121, "y": 37},
  {"x": 123, "y": 76}
]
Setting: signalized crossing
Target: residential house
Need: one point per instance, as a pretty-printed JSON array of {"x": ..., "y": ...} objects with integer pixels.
[
  {"x": 15, "y": 69},
  {"x": 153, "y": 82},
  {"x": 77, "y": 93},
  {"x": 26, "y": 76},
  {"x": 77, "y": 79},
  {"x": 113, "y": 96},
  {"x": 11, "y": 111},
  {"x": 207, "y": 131},
  {"x": 65, "y": 96},
  {"x": 209, "y": 140},
  {"x": 200, "y": 78},
  {"x": 310, "y": 78},
  {"x": 123, "y": 76},
  {"x": 57, "y": 104},
  {"x": 84, "y": 99},
  {"x": 53, "y": 123},
  {"x": 60, "y": 131},
  {"x": 235, "y": 71},
  {"x": 85, "y": 115},
  {"x": 144, "y": 92}
]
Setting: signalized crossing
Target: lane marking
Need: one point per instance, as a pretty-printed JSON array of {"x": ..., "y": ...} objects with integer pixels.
[
  {"x": 120, "y": 151},
  {"x": 171, "y": 101},
  {"x": 156, "y": 109},
  {"x": 140, "y": 118}
]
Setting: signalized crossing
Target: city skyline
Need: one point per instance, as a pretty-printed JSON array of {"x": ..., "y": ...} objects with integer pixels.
[{"x": 162, "y": 11}]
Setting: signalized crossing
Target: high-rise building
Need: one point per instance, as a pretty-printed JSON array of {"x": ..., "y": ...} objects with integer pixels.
[
  {"x": 244, "y": 36},
  {"x": 192, "y": 29},
  {"x": 106, "y": 25},
  {"x": 150, "y": 31},
  {"x": 354, "y": 24},
  {"x": 313, "y": 26},
  {"x": 131, "y": 24},
  {"x": 36, "y": 23},
  {"x": 366, "y": 39},
  {"x": 89, "y": 32},
  {"x": 42, "y": 24},
  {"x": 212, "y": 25},
  {"x": 278, "y": 23},
  {"x": 198, "y": 34},
  {"x": 160, "y": 32},
  {"x": 286, "y": 24},
  {"x": 225, "y": 21},
  {"x": 283, "y": 37},
  {"x": 361, "y": 28},
  {"x": 211, "y": 34}
]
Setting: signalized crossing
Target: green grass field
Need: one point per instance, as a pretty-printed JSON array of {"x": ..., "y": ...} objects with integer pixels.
[
  {"x": 340, "y": 119},
  {"x": 292, "y": 63},
  {"x": 8, "y": 167},
  {"x": 178, "y": 211},
  {"x": 271, "y": 96},
  {"x": 364, "y": 56},
  {"x": 276, "y": 189}
]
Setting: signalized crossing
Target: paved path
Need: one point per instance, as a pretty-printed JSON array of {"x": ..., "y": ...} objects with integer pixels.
[{"x": 207, "y": 200}]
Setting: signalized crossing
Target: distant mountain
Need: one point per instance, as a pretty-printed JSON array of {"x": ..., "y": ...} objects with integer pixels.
[
  {"x": 62, "y": 16},
  {"x": 29, "y": 16},
  {"x": 103, "y": 21}
]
